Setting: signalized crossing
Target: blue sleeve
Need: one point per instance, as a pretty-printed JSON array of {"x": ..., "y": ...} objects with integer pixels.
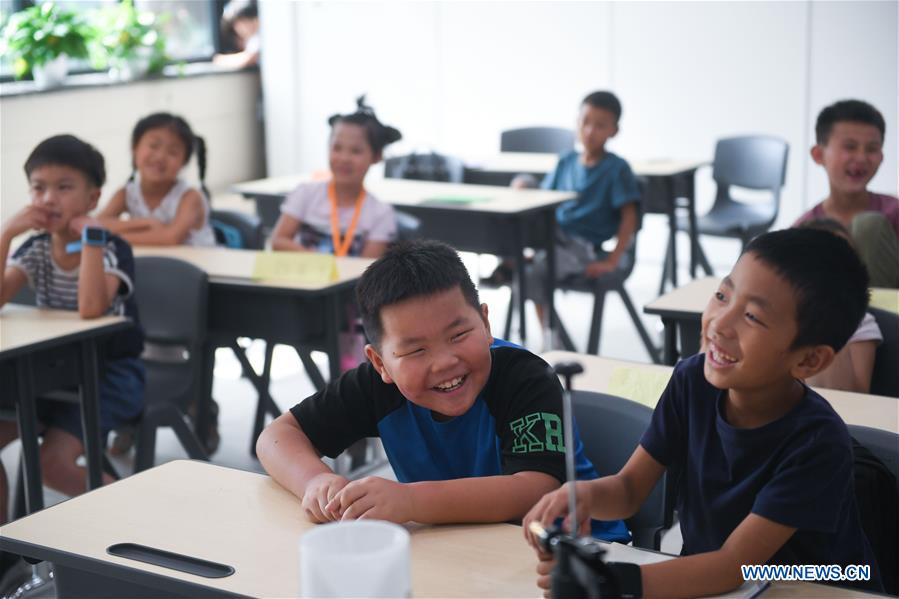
[
  {"x": 551, "y": 179},
  {"x": 624, "y": 188},
  {"x": 812, "y": 484},
  {"x": 666, "y": 438}
]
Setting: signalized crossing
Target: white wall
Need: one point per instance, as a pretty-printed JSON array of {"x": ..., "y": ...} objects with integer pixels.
[
  {"x": 452, "y": 75},
  {"x": 220, "y": 107}
]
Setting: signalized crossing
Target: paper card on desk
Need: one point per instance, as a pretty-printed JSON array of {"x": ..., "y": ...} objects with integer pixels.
[
  {"x": 296, "y": 267},
  {"x": 885, "y": 299},
  {"x": 637, "y": 384},
  {"x": 456, "y": 200}
]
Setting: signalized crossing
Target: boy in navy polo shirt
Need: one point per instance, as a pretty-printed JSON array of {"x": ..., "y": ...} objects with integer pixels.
[
  {"x": 472, "y": 427},
  {"x": 765, "y": 464}
]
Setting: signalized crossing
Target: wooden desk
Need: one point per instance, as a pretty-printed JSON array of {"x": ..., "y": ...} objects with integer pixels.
[
  {"x": 666, "y": 181},
  {"x": 48, "y": 350},
  {"x": 681, "y": 313},
  {"x": 875, "y": 411},
  {"x": 306, "y": 316},
  {"x": 247, "y": 521},
  {"x": 497, "y": 220}
]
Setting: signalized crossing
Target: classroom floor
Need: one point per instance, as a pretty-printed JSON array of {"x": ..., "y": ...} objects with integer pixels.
[{"x": 289, "y": 384}]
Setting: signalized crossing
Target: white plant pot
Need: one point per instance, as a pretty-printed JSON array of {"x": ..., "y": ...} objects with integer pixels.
[
  {"x": 52, "y": 73},
  {"x": 132, "y": 68}
]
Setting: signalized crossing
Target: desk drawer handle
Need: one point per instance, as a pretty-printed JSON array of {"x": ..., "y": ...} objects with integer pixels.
[{"x": 173, "y": 561}]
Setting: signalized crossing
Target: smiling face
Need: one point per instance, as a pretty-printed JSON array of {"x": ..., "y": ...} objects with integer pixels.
[
  {"x": 436, "y": 350},
  {"x": 851, "y": 156},
  {"x": 595, "y": 126},
  {"x": 63, "y": 192},
  {"x": 350, "y": 154},
  {"x": 159, "y": 155},
  {"x": 748, "y": 329}
]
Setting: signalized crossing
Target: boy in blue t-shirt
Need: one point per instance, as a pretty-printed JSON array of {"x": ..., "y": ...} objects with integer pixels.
[
  {"x": 764, "y": 465},
  {"x": 472, "y": 427},
  {"x": 605, "y": 207}
]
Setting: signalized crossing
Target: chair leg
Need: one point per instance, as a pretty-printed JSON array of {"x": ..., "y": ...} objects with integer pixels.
[
  {"x": 599, "y": 301},
  {"x": 507, "y": 330},
  {"x": 704, "y": 261},
  {"x": 312, "y": 371},
  {"x": 19, "y": 505},
  {"x": 145, "y": 447},
  {"x": 668, "y": 264},
  {"x": 638, "y": 322},
  {"x": 262, "y": 405},
  {"x": 564, "y": 337},
  {"x": 188, "y": 439}
]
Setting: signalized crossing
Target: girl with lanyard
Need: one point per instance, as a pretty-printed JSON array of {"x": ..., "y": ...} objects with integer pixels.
[{"x": 339, "y": 216}]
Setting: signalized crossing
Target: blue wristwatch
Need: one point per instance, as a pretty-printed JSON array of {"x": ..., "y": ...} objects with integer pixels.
[{"x": 95, "y": 236}]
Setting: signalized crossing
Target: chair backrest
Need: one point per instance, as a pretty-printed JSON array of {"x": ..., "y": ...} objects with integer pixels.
[
  {"x": 877, "y": 496},
  {"x": 248, "y": 228},
  {"x": 885, "y": 378},
  {"x": 611, "y": 428},
  {"x": 425, "y": 167},
  {"x": 407, "y": 226},
  {"x": 753, "y": 162},
  {"x": 171, "y": 298},
  {"x": 551, "y": 140}
]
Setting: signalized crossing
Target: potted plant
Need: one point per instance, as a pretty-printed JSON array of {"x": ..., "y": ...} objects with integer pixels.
[
  {"x": 41, "y": 39},
  {"x": 130, "y": 41}
]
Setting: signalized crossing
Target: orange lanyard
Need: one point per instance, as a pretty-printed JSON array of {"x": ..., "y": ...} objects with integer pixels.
[{"x": 341, "y": 247}]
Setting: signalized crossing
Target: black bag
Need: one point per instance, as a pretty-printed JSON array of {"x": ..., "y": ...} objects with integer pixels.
[
  {"x": 429, "y": 166},
  {"x": 878, "y": 506}
]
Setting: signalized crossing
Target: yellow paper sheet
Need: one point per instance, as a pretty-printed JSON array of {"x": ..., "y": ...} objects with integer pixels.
[
  {"x": 638, "y": 384},
  {"x": 296, "y": 267},
  {"x": 885, "y": 299}
]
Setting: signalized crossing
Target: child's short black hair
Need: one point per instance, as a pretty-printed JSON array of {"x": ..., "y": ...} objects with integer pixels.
[
  {"x": 606, "y": 101},
  {"x": 379, "y": 135},
  {"x": 408, "y": 270},
  {"x": 829, "y": 281},
  {"x": 853, "y": 111},
  {"x": 68, "y": 150}
]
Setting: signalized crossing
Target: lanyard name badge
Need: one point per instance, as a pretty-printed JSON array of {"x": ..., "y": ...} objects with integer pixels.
[{"x": 342, "y": 246}]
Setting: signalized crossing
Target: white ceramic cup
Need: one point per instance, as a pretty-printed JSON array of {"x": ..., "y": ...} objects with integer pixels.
[{"x": 361, "y": 558}]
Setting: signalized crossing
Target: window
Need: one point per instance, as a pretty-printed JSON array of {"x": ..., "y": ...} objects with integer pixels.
[{"x": 191, "y": 27}]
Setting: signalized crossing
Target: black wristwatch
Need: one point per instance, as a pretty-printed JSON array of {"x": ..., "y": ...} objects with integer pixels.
[{"x": 630, "y": 579}]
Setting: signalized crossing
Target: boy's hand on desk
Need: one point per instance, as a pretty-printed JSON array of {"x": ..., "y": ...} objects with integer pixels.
[
  {"x": 600, "y": 267},
  {"x": 374, "y": 497},
  {"x": 319, "y": 492},
  {"x": 554, "y": 505}
]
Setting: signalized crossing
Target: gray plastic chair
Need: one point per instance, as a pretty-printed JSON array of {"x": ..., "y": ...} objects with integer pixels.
[
  {"x": 885, "y": 378},
  {"x": 175, "y": 330},
  {"x": 754, "y": 162},
  {"x": 550, "y": 140},
  {"x": 252, "y": 232},
  {"x": 610, "y": 428}
]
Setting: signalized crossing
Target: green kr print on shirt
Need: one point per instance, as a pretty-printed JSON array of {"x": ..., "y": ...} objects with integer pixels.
[{"x": 528, "y": 440}]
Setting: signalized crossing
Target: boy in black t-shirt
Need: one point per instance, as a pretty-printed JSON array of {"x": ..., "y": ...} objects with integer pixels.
[
  {"x": 471, "y": 426},
  {"x": 765, "y": 467}
]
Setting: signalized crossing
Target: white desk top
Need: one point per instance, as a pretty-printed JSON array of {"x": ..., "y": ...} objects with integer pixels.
[
  {"x": 875, "y": 411},
  {"x": 533, "y": 162},
  {"x": 225, "y": 265},
  {"x": 693, "y": 297},
  {"x": 249, "y": 522},
  {"x": 24, "y": 326},
  {"x": 403, "y": 192}
]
